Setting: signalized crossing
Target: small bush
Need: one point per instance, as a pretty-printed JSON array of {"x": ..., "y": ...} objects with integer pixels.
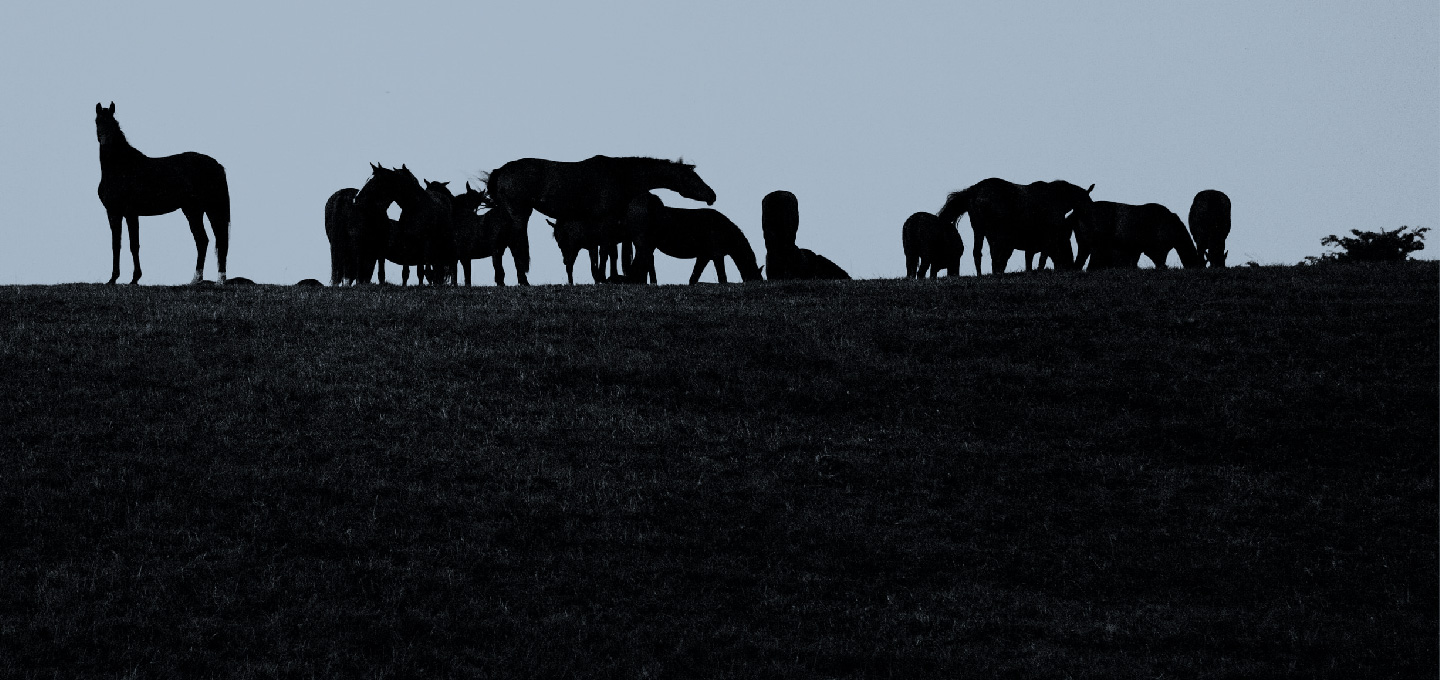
[{"x": 1370, "y": 246}]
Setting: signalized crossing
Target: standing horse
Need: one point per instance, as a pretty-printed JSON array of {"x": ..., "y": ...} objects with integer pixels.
[
  {"x": 340, "y": 215},
  {"x": 598, "y": 188},
  {"x": 599, "y": 239},
  {"x": 1210, "y": 225},
  {"x": 474, "y": 231},
  {"x": 1118, "y": 234},
  {"x": 422, "y": 235},
  {"x": 703, "y": 234},
  {"x": 1011, "y": 216},
  {"x": 931, "y": 244},
  {"x": 780, "y": 223},
  {"x": 133, "y": 184}
]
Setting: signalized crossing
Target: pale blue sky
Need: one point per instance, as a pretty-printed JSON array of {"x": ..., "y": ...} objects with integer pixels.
[{"x": 1315, "y": 117}]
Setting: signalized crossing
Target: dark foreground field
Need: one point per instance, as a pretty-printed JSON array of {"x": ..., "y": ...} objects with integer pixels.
[{"x": 1146, "y": 474}]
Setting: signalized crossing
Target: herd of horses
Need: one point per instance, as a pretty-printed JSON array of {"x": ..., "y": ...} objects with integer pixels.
[{"x": 605, "y": 206}]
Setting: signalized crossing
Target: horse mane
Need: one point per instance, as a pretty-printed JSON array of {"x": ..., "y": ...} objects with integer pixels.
[{"x": 646, "y": 161}]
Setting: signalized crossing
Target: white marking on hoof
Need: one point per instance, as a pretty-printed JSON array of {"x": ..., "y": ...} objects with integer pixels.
[
  {"x": 198, "y": 278},
  {"x": 221, "y": 280}
]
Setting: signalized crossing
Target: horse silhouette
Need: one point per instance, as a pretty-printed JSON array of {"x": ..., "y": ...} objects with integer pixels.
[
  {"x": 1210, "y": 225},
  {"x": 341, "y": 227},
  {"x": 1029, "y": 217},
  {"x": 1117, "y": 234},
  {"x": 702, "y": 234},
  {"x": 134, "y": 185},
  {"x": 780, "y": 223},
  {"x": 309, "y": 282},
  {"x": 599, "y": 239},
  {"x": 931, "y": 245},
  {"x": 422, "y": 236},
  {"x": 474, "y": 232},
  {"x": 597, "y": 189}
]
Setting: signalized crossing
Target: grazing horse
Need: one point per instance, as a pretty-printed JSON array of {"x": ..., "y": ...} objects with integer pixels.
[
  {"x": 1029, "y": 217},
  {"x": 703, "y": 234},
  {"x": 780, "y": 222},
  {"x": 340, "y": 216},
  {"x": 931, "y": 245},
  {"x": 599, "y": 188},
  {"x": 133, "y": 184},
  {"x": 422, "y": 236},
  {"x": 1117, "y": 235},
  {"x": 1210, "y": 225},
  {"x": 599, "y": 239}
]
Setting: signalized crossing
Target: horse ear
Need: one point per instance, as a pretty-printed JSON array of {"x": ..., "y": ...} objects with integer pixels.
[
  {"x": 402, "y": 167},
  {"x": 467, "y": 185},
  {"x": 374, "y": 167},
  {"x": 550, "y": 222},
  {"x": 1092, "y": 188},
  {"x": 112, "y": 107},
  {"x": 98, "y": 108}
]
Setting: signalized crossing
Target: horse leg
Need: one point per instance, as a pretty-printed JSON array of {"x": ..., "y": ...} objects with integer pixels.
[
  {"x": 197, "y": 229},
  {"x": 466, "y": 264},
  {"x": 979, "y": 246},
  {"x": 222, "y": 244},
  {"x": 115, "y": 219},
  {"x": 520, "y": 252},
  {"x": 569, "y": 257},
  {"x": 999, "y": 257},
  {"x": 597, "y": 263},
  {"x": 133, "y": 223},
  {"x": 720, "y": 269},
  {"x": 609, "y": 253},
  {"x": 911, "y": 264}
]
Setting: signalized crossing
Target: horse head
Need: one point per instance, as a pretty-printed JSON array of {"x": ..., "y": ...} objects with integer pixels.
[
  {"x": 687, "y": 183},
  {"x": 107, "y": 129},
  {"x": 472, "y": 200}
]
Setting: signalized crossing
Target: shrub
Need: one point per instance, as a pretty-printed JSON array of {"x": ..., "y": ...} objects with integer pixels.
[{"x": 1370, "y": 246}]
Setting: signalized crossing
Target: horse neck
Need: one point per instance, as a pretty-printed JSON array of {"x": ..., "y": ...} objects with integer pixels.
[
  {"x": 118, "y": 149},
  {"x": 650, "y": 173}
]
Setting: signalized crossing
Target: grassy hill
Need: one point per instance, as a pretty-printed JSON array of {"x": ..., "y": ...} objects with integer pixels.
[{"x": 1187, "y": 474}]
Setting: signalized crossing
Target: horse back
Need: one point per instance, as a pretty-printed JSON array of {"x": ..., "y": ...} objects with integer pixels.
[
  {"x": 779, "y": 218},
  {"x": 340, "y": 213},
  {"x": 1210, "y": 215}
]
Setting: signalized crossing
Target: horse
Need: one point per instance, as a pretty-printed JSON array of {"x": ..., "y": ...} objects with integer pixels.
[
  {"x": 780, "y": 223},
  {"x": 930, "y": 245},
  {"x": 474, "y": 231},
  {"x": 1011, "y": 216},
  {"x": 598, "y": 188},
  {"x": 422, "y": 235},
  {"x": 134, "y": 185},
  {"x": 599, "y": 239},
  {"x": 340, "y": 216},
  {"x": 703, "y": 234},
  {"x": 1210, "y": 225},
  {"x": 1117, "y": 234}
]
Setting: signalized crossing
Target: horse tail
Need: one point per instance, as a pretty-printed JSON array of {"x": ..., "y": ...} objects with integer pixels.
[
  {"x": 218, "y": 209},
  {"x": 956, "y": 205}
]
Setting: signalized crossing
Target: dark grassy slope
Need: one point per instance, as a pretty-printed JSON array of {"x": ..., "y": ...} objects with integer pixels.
[{"x": 1180, "y": 473}]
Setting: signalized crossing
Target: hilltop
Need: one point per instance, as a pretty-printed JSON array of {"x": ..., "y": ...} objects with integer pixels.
[{"x": 1188, "y": 473}]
